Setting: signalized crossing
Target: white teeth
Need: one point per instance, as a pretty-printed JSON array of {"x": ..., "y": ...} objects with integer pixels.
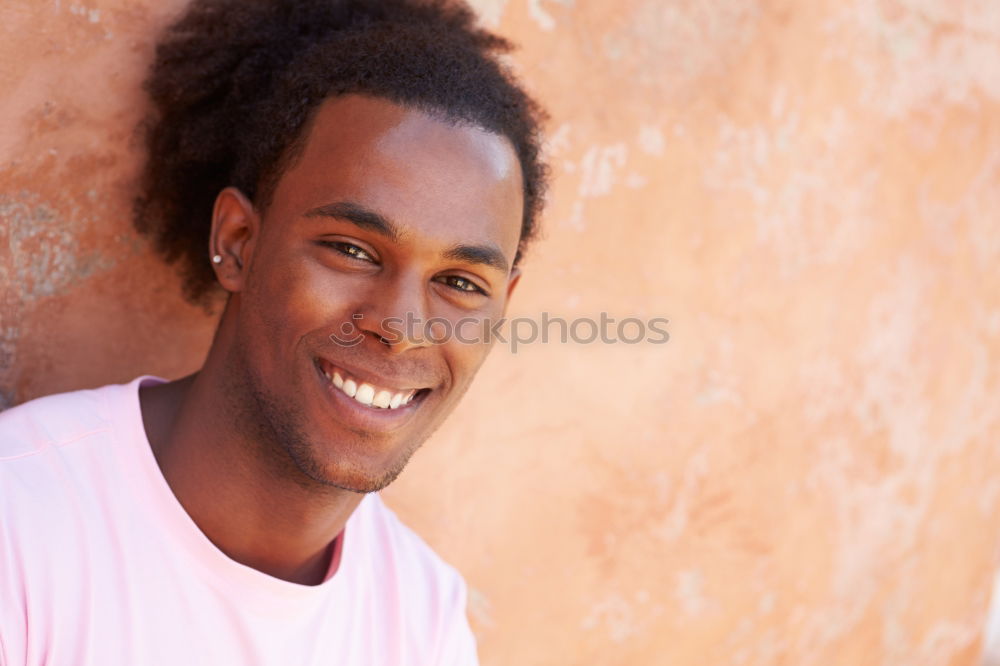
[
  {"x": 365, "y": 394},
  {"x": 382, "y": 399},
  {"x": 369, "y": 395}
]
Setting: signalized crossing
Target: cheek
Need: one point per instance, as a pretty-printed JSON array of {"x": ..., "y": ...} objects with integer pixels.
[
  {"x": 284, "y": 300},
  {"x": 468, "y": 347}
]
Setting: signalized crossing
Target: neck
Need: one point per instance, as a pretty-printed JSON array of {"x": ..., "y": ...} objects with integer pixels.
[{"x": 259, "y": 510}]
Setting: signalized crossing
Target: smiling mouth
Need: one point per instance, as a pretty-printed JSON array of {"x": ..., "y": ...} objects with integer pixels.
[{"x": 367, "y": 393}]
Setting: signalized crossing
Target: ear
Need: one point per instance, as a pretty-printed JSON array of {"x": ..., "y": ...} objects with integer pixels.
[
  {"x": 512, "y": 280},
  {"x": 235, "y": 227}
]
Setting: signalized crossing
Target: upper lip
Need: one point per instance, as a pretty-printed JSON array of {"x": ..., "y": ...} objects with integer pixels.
[{"x": 376, "y": 379}]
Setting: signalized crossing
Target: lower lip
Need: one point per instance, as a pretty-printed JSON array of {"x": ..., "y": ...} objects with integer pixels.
[{"x": 361, "y": 417}]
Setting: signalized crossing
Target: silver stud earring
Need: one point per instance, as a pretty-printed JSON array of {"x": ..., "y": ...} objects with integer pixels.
[{"x": 217, "y": 259}]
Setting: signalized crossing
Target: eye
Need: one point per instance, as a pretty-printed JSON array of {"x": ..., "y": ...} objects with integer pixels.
[
  {"x": 350, "y": 250},
  {"x": 462, "y": 284}
]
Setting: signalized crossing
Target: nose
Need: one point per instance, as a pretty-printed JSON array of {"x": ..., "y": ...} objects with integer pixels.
[{"x": 394, "y": 312}]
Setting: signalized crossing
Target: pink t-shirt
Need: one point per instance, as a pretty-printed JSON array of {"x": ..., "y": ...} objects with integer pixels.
[{"x": 101, "y": 565}]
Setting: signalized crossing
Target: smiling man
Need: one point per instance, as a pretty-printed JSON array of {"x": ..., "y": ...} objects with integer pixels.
[{"x": 324, "y": 167}]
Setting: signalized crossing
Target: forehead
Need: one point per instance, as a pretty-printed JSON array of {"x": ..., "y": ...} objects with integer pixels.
[{"x": 441, "y": 182}]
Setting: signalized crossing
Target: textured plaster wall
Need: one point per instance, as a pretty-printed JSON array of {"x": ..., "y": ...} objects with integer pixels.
[{"x": 807, "y": 473}]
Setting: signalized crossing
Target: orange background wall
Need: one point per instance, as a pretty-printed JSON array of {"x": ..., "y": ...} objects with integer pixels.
[{"x": 807, "y": 473}]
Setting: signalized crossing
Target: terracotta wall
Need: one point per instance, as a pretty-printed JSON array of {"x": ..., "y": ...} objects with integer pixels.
[{"x": 807, "y": 473}]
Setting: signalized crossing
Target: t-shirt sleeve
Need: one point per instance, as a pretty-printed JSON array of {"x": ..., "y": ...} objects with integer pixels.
[{"x": 458, "y": 641}]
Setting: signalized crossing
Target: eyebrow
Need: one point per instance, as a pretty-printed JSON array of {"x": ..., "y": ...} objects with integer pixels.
[
  {"x": 485, "y": 255},
  {"x": 358, "y": 215}
]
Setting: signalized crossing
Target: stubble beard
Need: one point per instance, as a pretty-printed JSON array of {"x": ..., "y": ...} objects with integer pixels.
[{"x": 279, "y": 430}]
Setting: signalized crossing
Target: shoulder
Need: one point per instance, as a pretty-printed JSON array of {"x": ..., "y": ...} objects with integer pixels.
[
  {"x": 53, "y": 421},
  {"x": 57, "y": 473},
  {"x": 50, "y": 449},
  {"x": 58, "y": 449},
  {"x": 39, "y": 479}
]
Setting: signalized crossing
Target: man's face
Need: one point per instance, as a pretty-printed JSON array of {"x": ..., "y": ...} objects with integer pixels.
[{"x": 387, "y": 213}]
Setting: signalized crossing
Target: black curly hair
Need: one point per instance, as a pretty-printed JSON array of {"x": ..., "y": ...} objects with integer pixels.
[{"x": 235, "y": 83}]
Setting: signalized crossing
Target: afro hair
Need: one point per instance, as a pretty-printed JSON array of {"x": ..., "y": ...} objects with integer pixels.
[{"x": 235, "y": 83}]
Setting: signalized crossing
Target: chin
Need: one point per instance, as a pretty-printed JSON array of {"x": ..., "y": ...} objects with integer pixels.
[
  {"x": 358, "y": 481},
  {"x": 342, "y": 470}
]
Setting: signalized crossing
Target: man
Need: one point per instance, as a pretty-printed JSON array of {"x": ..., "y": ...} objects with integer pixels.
[{"x": 328, "y": 166}]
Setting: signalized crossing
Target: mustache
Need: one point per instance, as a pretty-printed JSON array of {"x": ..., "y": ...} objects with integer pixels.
[{"x": 392, "y": 371}]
